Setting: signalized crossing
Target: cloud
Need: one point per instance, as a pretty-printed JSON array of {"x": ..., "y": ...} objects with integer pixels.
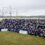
[{"x": 26, "y": 7}]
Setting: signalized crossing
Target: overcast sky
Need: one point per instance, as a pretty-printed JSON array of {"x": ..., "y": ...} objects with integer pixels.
[{"x": 25, "y": 7}]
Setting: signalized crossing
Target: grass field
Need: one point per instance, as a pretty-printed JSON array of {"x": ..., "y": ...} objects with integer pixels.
[{"x": 12, "y": 38}]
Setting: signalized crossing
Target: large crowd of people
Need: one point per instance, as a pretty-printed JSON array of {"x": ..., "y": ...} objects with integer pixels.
[{"x": 30, "y": 25}]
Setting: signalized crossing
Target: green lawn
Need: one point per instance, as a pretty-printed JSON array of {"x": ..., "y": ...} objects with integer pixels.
[{"x": 12, "y": 38}]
